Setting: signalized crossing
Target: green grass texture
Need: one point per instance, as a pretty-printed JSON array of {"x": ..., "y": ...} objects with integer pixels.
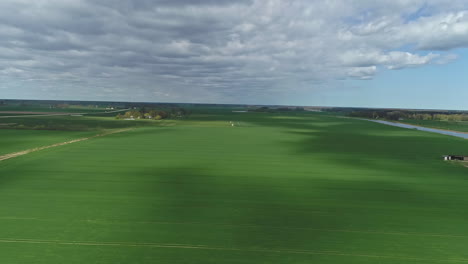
[{"x": 273, "y": 188}]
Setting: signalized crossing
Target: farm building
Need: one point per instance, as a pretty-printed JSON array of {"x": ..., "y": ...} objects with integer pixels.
[{"x": 455, "y": 157}]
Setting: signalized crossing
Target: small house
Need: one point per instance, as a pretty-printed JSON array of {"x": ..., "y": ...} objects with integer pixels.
[{"x": 455, "y": 157}]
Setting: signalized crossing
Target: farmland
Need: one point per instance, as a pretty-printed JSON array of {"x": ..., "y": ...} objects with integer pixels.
[{"x": 273, "y": 188}]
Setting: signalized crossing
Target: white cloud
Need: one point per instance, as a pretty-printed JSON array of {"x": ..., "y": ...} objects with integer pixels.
[
  {"x": 440, "y": 32},
  {"x": 399, "y": 60},
  {"x": 392, "y": 60},
  {"x": 363, "y": 73},
  {"x": 226, "y": 51}
]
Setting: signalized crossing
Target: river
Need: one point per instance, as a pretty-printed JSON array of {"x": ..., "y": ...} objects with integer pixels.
[{"x": 427, "y": 129}]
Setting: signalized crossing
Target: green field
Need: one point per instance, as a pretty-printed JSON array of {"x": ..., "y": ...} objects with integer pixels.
[
  {"x": 77, "y": 123},
  {"x": 274, "y": 188}
]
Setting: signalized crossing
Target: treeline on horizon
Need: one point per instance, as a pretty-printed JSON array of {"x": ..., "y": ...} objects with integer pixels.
[
  {"x": 266, "y": 109},
  {"x": 396, "y": 115},
  {"x": 104, "y": 104}
]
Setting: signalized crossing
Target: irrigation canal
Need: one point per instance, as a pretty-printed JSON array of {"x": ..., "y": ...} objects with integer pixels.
[{"x": 427, "y": 129}]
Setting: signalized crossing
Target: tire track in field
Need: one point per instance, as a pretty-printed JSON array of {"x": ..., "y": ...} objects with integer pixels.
[
  {"x": 206, "y": 247},
  {"x": 371, "y": 232},
  {"x": 376, "y": 232},
  {"x": 24, "y": 152}
]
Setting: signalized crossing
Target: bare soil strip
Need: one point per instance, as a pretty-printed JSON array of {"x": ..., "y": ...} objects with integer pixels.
[
  {"x": 205, "y": 247},
  {"x": 24, "y": 152},
  {"x": 41, "y": 114},
  {"x": 33, "y": 113}
]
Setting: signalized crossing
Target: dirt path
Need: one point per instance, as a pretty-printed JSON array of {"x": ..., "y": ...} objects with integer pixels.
[
  {"x": 33, "y": 113},
  {"x": 24, "y": 152},
  {"x": 41, "y": 114}
]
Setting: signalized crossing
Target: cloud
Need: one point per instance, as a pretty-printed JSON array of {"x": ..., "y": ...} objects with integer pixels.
[
  {"x": 217, "y": 51},
  {"x": 392, "y": 60},
  {"x": 363, "y": 73},
  {"x": 441, "y": 32}
]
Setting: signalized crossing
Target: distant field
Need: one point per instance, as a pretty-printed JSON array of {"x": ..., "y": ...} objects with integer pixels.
[
  {"x": 76, "y": 123},
  {"x": 449, "y": 125},
  {"x": 273, "y": 188}
]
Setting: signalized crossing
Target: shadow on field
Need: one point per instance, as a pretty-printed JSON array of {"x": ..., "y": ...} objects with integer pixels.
[
  {"x": 365, "y": 144},
  {"x": 359, "y": 144},
  {"x": 248, "y": 213},
  {"x": 202, "y": 208}
]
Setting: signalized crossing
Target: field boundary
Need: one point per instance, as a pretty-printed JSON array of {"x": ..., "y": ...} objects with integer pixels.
[{"x": 27, "y": 151}]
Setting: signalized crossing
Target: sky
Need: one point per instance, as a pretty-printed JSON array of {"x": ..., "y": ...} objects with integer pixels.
[{"x": 361, "y": 53}]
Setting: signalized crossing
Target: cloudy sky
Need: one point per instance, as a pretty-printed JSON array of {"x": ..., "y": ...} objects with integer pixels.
[{"x": 395, "y": 53}]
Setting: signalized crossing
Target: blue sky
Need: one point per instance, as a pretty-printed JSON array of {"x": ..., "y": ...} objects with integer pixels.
[
  {"x": 434, "y": 86},
  {"x": 431, "y": 87},
  {"x": 402, "y": 53}
]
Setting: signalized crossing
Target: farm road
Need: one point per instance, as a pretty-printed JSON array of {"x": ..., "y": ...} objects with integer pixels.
[
  {"x": 24, "y": 152},
  {"x": 39, "y": 114}
]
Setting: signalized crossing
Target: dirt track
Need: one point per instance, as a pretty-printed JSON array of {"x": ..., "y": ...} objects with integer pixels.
[
  {"x": 41, "y": 114},
  {"x": 24, "y": 152},
  {"x": 34, "y": 113}
]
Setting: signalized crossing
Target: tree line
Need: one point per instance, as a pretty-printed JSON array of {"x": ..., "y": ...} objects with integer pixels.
[
  {"x": 265, "y": 109},
  {"x": 401, "y": 115}
]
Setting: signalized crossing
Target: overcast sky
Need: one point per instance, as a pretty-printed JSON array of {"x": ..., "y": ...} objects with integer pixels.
[{"x": 395, "y": 53}]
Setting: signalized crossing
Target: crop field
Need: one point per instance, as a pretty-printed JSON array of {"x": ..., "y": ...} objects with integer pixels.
[
  {"x": 223, "y": 187},
  {"x": 74, "y": 123}
]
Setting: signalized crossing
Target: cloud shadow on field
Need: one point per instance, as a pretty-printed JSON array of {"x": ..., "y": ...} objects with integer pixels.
[
  {"x": 354, "y": 142},
  {"x": 205, "y": 207},
  {"x": 241, "y": 212}
]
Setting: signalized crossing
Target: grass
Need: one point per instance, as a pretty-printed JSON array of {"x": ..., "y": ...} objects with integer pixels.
[{"x": 278, "y": 188}]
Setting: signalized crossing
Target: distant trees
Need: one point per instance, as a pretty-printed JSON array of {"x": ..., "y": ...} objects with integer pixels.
[
  {"x": 402, "y": 114},
  {"x": 265, "y": 109},
  {"x": 260, "y": 109},
  {"x": 62, "y": 105}
]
